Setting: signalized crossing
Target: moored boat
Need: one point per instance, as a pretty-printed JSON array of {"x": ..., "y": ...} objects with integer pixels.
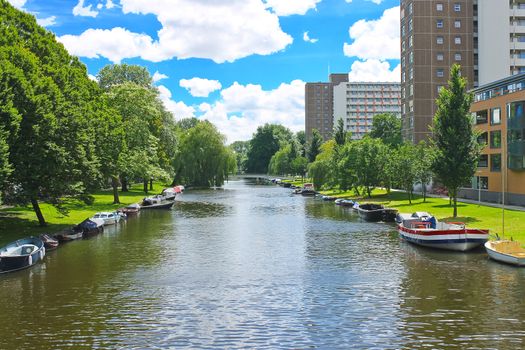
[
  {"x": 509, "y": 252},
  {"x": 109, "y": 218},
  {"x": 68, "y": 235},
  {"x": 90, "y": 227},
  {"x": 346, "y": 203},
  {"x": 21, "y": 254},
  {"x": 308, "y": 189},
  {"x": 376, "y": 212},
  {"x": 130, "y": 210},
  {"x": 169, "y": 193},
  {"x": 328, "y": 198},
  {"x": 156, "y": 202},
  {"x": 50, "y": 243},
  {"x": 423, "y": 229}
]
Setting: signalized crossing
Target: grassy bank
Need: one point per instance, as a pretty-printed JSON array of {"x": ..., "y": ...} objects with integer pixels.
[
  {"x": 20, "y": 222},
  {"x": 473, "y": 215}
]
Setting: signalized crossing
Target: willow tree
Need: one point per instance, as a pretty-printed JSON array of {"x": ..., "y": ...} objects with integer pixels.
[{"x": 455, "y": 142}]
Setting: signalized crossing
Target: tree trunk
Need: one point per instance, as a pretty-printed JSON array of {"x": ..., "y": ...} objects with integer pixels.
[
  {"x": 145, "y": 181},
  {"x": 124, "y": 182},
  {"x": 455, "y": 203},
  {"x": 114, "y": 184},
  {"x": 38, "y": 212},
  {"x": 151, "y": 184},
  {"x": 424, "y": 192}
]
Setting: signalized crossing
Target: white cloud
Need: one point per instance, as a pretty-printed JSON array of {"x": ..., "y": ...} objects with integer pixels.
[
  {"x": 291, "y": 7},
  {"x": 110, "y": 4},
  {"x": 242, "y": 108},
  {"x": 159, "y": 76},
  {"x": 92, "y": 77},
  {"x": 114, "y": 44},
  {"x": 374, "y": 70},
  {"x": 100, "y": 6},
  {"x": 46, "y": 22},
  {"x": 179, "y": 109},
  {"x": 17, "y": 3},
  {"x": 223, "y": 31},
  {"x": 377, "y": 39},
  {"x": 199, "y": 87},
  {"x": 81, "y": 10},
  {"x": 307, "y": 38}
]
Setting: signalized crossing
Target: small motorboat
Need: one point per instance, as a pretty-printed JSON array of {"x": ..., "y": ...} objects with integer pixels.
[
  {"x": 169, "y": 193},
  {"x": 423, "y": 229},
  {"x": 509, "y": 252},
  {"x": 179, "y": 189},
  {"x": 90, "y": 227},
  {"x": 297, "y": 190},
  {"x": 130, "y": 210},
  {"x": 328, "y": 198},
  {"x": 376, "y": 212},
  {"x": 308, "y": 189},
  {"x": 156, "y": 202},
  {"x": 50, "y": 243},
  {"x": 109, "y": 218},
  {"x": 67, "y": 235},
  {"x": 21, "y": 254},
  {"x": 346, "y": 203}
]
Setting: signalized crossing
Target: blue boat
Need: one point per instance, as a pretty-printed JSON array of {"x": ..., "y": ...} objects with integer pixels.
[{"x": 21, "y": 254}]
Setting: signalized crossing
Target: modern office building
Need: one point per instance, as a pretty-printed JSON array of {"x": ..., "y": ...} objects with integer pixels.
[
  {"x": 435, "y": 34},
  {"x": 499, "y": 110},
  {"x": 358, "y": 102},
  {"x": 318, "y": 106}
]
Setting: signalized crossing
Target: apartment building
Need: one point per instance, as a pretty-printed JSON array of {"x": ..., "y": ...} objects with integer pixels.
[
  {"x": 319, "y": 100},
  {"x": 499, "y": 110},
  {"x": 435, "y": 34},
  {"x": 356, "y": 103}
]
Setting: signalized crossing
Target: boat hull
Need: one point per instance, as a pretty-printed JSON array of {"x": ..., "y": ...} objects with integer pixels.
[
  {"x": 167, "y": 205},
  {"x": 11, "y": 263},
  {"x": 458, "y": 240},
  {"x": 502, "y": 257}
]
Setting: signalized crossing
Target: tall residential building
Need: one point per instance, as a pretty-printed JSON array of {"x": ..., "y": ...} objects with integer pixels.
[
  {"x": 318, "y": 106},
  {"x": 358, "y": 102},
  {"x": 435, "y": 34}
]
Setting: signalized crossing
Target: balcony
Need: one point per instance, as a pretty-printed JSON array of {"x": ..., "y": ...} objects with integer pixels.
[{"x": 517, "y": 12}]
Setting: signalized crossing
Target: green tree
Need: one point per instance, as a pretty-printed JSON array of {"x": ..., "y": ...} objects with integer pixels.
[
  {"x": 299, "y": 166},
  {"x": 455, "y": 142},
  {"x": 5, "y": 166},
  {"x": 321, "y": 170},
  {"x": 405, "y": 168},
  {"x": 340, "y": 133},
  {"x": 425, "y": 158},
  {"x": 387, "y": 127},
  {"x": 314, "y": 145},
  {"x": 280, "y": 163},
  {"x": 301, "y": 139},
  {"x": 267, "y": 140},
  {"x": 370, "y": 159},
  {"x": 240, "y": 148},
  {"x": 116, "y": 74}
]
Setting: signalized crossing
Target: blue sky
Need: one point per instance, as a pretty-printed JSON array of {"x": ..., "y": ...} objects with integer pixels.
[{"x": 238, "y": 63}]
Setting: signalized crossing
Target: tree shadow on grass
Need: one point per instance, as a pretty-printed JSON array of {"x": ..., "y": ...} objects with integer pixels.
[
  {"x": 464, "y": 219},
  {"x": 13, "y": 227}
]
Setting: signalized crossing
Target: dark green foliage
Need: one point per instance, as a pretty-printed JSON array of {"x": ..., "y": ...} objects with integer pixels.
[
  {"x": 456, "y": 146},
  {"x": 240, "y": 148},
  {"x": 340, "y": 133},
  {"x": 315, "y": 145},
  {"x": 387, "y": 127},
  {"x": 116, "y": 74},
  {"x": 266, "y": 141}
]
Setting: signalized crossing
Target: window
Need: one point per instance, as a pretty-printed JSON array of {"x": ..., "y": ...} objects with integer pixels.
[
  {"x": 483, "y": 182},
  {"x": 411, "y": 58},
  {"x": 495, "y": 162},
  {"x": 439, "y": 87},
  {"x": 410, "y": 26},
  {"x": 457, "y": 40},
  {"x": 439, "y": 56},
  {"x": 495, "y": 139},
  {"x": 439, "y": 40},
  {"x": 410, "y": 41},
  {"x": 457, "y": 23},
  {"x": 481, "y": 117},
  {"x": 483, "y": 161},
  {"x": 440, "y": 73},
  {"x": 410, "y": 8},
  {"x": 495, "y": 116},
  {"x": 457, "y": 56},
  {"x": 457, "y": 7},
  {"x": 483, "y": 139},
  {"x": 439, "y": 23},
  {"x": 521, "y": 38},
  {"x": 439, "y": 7}
]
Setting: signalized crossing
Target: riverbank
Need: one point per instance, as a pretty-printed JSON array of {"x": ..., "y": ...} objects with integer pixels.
[
  {"x": 473, "y": 214},
  {"x": 18, "y": 222}
]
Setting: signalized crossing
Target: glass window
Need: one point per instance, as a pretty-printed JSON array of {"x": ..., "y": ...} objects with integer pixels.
[
  {"x": 439, "y": 23},
  {"x": 457, "y": 23},
  {"x": 481, "y": 117},
  {"x": 439, "y": 56},
  {"x": 410, "y": 8},
  {"x": 495, "y": 139},
  {"x": 439, "y": 40},
  {"x": 495, "y": 162},
  {"x": 410, "y": 41},
  {"x": 457, "y": 40},
  {"x": 457, "y": 56},
  {"x": 483, "y": 161},
  {"x": 483, "y": 182},
  {"x": 495, "y": 117},
  {"x": 439, "y": 7},
  {"x": 483, "y": 139},
  {"x": 440, "y": 73},
  {"x": 457, "y": 7}
]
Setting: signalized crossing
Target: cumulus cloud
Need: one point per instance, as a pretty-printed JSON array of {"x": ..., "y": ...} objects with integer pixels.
[
  {"x": 17, "y": 3},
  {"x": 179, "y": 109},
  {"x": 110, "y": 4},
  {"x": 81, "y": 10},
  {"x": 376, "y": 39},
  {"x": 374, "y": 70},
  {"x": 159, "y": 76},
  {"x": 47, "y": 22},
  {"x": 291, "y": 7},
  {"x": 217, "y": 30},
  {"x": 307, "y": 38},
  {"x": 92, "y": 77},
  {"x": 242, "y": 108},
  {"x": 199, "y": 87}
]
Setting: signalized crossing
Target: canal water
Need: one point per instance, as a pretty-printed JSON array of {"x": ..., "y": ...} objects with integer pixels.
[{"x": 251, "y": 266}]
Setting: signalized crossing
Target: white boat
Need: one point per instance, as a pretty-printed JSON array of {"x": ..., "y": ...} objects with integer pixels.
[
  {"x": 169, "y": 193},
  {"x": 109, "y": 218},
  {"x": 156, "y": 202},
  {"x": 423, "y": 229},
  {"x": 509, "y": 252}
]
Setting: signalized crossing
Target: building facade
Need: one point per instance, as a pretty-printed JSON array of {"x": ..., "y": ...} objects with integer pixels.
[
  {"x": 435, "y": 34},
  {"x": 319, "y": 100},
  {"x": 499, "y": 110},
  {"x": 356, "y": 103}
]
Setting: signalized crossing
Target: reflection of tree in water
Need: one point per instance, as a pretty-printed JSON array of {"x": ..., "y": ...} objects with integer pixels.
[
  {"x": 201, "y": 209},
  {"x": 460, "y": 300}
]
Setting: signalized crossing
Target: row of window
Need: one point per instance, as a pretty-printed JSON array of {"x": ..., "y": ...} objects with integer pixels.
[
  {"x": 495, "y": 162},
  {"x": 495, "y": 139},
  {"x": 482, "y": 116},
  {"x": 440, "y": 23},
  {"x": 373, "y": 100},
  {"x": 440, "y": 56}
]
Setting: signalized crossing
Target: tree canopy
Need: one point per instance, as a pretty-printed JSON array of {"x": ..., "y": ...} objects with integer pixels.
[
  {"x": 387, "y": 127},
  {"x": 266, "y": 141}
]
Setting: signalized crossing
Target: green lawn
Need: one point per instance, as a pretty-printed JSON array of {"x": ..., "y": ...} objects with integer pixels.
[
  {"x": 20, "y": 222},
  {"x": 476, "y": 216}
]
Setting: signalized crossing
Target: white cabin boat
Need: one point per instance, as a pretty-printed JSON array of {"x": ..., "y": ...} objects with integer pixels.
[{"x": 509, "y": 252}]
